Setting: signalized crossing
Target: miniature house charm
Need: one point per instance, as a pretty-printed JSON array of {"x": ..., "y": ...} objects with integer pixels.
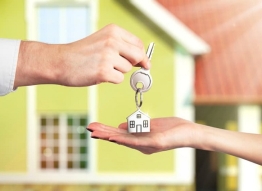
[{"x": 138, "y": 122}]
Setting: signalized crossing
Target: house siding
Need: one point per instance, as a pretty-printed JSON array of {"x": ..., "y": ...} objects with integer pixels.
[
  {"x": 13, "y": 106},
  {"x": 55, "y": 99},
  {"x": 118, "y": 102}
]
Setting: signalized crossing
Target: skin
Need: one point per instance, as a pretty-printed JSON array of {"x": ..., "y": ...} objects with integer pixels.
[
  {"x": 171, "y": 133},
  {"x": 101, "y": 57}
]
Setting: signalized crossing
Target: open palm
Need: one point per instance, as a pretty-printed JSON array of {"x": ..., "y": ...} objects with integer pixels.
[{"x": 165, "y": 134}]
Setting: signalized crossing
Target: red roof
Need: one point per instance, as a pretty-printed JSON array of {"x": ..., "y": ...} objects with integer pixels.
[{"x": 232, "y": 72}]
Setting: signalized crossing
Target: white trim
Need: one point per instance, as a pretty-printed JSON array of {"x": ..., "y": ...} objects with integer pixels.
[
  {"x": 92, "y": 112},
  {"x": 184, "y": 72},
  {"x": 32, "y": 145},
  {"x": 172, "y": 26},
  {"x": 85, "y": 178},
  {"x": 62, "y": 141},
  {"x": 184, "y": 68},
  {"x": 249, "y": 174}
]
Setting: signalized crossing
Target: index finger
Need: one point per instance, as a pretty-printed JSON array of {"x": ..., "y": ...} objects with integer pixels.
[
  {"x": 145, "y": 63},
  {"x": 134, "y": 40}
]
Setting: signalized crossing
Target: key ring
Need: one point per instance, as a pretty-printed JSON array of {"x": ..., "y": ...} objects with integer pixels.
[{"x": 141, "y": 97}]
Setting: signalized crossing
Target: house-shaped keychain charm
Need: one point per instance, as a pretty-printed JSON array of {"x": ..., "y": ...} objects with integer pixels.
[{"x": 138, "y": 122}]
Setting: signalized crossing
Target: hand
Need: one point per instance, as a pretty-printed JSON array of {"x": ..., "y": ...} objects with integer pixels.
[
  {"x": 165, "y": 134},
  {"x": 101, "y": 57},
  {"x": 170, "y": 133}
]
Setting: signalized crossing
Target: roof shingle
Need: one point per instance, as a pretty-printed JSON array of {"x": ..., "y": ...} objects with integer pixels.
[{"x": 232, "y": 71}]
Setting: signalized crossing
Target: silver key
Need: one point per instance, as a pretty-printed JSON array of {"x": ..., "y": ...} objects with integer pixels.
[{"x": 143, "y": 75}]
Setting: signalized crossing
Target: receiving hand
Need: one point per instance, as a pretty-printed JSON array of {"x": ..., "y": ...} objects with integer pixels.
[{"x": 165, "y": 134}]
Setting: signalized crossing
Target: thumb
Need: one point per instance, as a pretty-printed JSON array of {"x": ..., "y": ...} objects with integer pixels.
[{"x": 123, "y": 126}]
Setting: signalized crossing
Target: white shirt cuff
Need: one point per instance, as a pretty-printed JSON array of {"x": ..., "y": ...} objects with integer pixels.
[{"x": 9, "y": 50}]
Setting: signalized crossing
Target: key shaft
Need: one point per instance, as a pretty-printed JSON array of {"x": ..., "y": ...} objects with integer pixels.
[{"x": 150, "y": 50}]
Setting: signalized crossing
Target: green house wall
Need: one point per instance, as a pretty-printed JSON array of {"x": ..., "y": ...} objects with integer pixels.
[
  {"x": 116, "y": 102},
  {"x": 13, "y": 106}
]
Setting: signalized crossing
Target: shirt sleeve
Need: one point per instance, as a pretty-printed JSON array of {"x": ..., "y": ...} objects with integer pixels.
[{"x": 9, "y": 50}]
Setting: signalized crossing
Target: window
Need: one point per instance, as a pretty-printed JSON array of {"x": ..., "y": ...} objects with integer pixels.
[
  {"x": 138, "y": 116},
  {"x": 145, "y": 123},
  {"x": 59, "y": 24},
  {"x": 132, "y": 124},
  {"x": 49, "y": 134},
  {"x": 62, "y": 149},
  {"x": 63, "y": 142}
]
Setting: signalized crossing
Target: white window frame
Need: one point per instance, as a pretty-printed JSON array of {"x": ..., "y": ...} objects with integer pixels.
[
  {"x": 184, "y": 65},
  {"x": 249, "y": 120},
  {"x": 33, "y": 143}
]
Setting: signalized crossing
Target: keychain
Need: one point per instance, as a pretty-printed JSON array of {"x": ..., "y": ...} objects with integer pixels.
[{"x": 138, "y": 121}]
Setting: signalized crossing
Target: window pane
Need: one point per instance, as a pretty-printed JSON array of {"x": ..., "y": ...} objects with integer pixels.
[
  {"x": 63, "y": 24},
  {"x": 49, "y": 138},
  {"x": 70, "y": 121},
  {"x": 78, "y": 23},
  {"x": 76, "y": 147},
  {"x": 48, "y": 24},
  {"x": 77, "y": 144}
]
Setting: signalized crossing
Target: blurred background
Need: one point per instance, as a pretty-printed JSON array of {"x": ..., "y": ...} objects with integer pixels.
[{"x": 206, "y": 68}]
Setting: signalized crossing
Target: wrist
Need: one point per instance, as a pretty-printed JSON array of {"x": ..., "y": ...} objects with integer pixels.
[
  {"x": 207, "y": 137},
  {"x": 38, "y": 63},
  {"x": 199, "y": 137}
]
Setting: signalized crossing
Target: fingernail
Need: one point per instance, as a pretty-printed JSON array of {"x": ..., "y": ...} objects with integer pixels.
[
  {"x": 95, "y": 137},
  {"x": 89, "y": 130}
]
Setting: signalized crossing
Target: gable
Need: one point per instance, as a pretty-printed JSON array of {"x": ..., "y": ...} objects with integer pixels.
[
  {"x": 138, "y": 112},
  {"x": 172, "y": 26},
  {"x": 231, "y": 72}
]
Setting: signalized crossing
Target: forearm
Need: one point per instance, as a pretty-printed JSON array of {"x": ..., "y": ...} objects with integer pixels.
[
  {"x": 38, "y": 63},
  {"x": 243, "y": 145}
]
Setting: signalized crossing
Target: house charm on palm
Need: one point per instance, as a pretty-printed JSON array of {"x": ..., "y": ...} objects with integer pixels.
[{"x": 138, "y": 122}]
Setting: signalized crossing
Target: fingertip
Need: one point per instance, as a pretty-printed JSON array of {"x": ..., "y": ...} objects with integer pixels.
[
  {"x": 90, "y": 130},
  {"x": 146, "y": 63},
  {"x": 93, "y": 124}
]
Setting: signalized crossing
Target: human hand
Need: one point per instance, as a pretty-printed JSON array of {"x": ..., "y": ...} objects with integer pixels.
[
  {"x": 165, "y": 134},
  {"x": 101, "y": 57},
  {"x": 170, "y": 133}
]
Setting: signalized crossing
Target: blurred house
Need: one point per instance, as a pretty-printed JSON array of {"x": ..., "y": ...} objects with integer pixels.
[
  {"x": 228, "y": 85},
  {"x": 44, "y": 144}
]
